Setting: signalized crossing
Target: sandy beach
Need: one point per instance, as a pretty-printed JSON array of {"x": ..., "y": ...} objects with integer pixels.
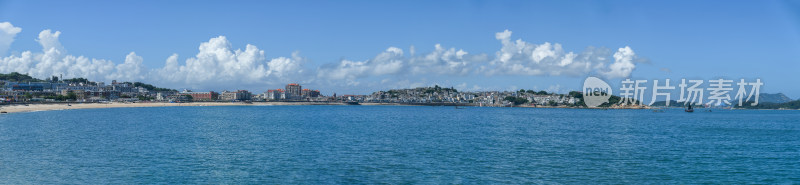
[{"x": 63, "y": 106}]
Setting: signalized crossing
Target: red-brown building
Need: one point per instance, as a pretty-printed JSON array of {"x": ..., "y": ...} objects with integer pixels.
[{"x": 202, "y": 96}]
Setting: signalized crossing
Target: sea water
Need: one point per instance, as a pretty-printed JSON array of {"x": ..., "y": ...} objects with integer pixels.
[{"x": 398, "y": 145}]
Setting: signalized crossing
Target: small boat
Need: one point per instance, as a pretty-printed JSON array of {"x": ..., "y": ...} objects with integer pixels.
[
  {"x": 353, "y": 103},
  {"x": 459, "y": 107},
  {"x": 689, "y": 108}
]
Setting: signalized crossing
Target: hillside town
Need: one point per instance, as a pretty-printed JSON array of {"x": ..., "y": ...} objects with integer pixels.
[
  {"x": 436, "y": 94},
  {"x": 22, "y": 88}
]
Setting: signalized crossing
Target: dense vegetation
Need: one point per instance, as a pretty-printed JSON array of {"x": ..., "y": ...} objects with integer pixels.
[
  {"x": 516, "y": 100},
  {"x": 17, "y": 77},
  {"x": 578, "y": 96},
  {"x": 534, "y": 92},
  {"x": 438, "y": 89},
  {"x": 149, "y": 87},
  {"x": 611, "y": 101},
  {"x": 70, "y": 96}
]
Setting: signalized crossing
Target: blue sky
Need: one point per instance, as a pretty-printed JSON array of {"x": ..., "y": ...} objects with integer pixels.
[{"x": 350, "y": 47}]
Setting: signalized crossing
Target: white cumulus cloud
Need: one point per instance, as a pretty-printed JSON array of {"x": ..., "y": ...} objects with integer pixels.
[
  {"x": 49, "y": 41},
  {"x": 517, "y": 57},
  {"x": 53, "y": 60},
  {"x": 218, "y": 64},
  {"x": 388, "y": 62},
  {"x": 7, "y": 34},
  {"x": 623, "y": 64},
  {"x": 441, "y": 61},
  {"x": 446, "y": 62},
  {"x": 131, "y": 70}
]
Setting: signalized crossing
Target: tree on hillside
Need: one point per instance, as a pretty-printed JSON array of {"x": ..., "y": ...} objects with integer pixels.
[
  {"x": 576, "y": 94},
  {"x": 72, "y": 96},
  {"x": 516, "y": 100},
  {"x": 17, "y": 77},
  {"x": 149, "y": 87},
  {"x": 542, "y": 93},
  {"x": 79, "y": 80}
]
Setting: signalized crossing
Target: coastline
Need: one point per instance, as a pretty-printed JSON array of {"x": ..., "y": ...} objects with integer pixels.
[
  {"x": 19, "y": 108},
  {"x": 63, "y": 106}
]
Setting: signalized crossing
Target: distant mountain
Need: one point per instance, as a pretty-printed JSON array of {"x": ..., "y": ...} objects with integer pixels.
[
  {"x": 767, "y": 105},
  {"x": 773, "y": 98}
]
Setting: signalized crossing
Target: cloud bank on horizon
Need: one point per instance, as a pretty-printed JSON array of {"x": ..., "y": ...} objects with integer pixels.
[{"x": 218, "y": 65}]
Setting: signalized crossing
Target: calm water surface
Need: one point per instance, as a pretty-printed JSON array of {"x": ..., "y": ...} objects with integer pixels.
[{"x": 398, "y": 144}]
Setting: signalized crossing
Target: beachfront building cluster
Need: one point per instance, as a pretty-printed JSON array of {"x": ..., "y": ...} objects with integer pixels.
[
  {"x": 75, "y": 90},
  {"x": 17, "y": 87},
  {"x": 82, "y": 90},
  {"x": 293, "y": 92},
  {"x": 188, "y": 95},
  {"x": 133, "y": 92}
]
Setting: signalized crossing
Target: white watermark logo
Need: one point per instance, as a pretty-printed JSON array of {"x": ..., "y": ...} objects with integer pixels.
[
  {"x": 691, "y": 92},
  {"x": 595, "y": 92}
]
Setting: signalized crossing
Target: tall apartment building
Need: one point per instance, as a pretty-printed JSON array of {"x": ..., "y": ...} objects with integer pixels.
[
  {"x": 293, "y": 91},
  {"x": 241, "y": 95},
  {"x": 308, "y": 93},
  {"x": 276, "y": 94}
]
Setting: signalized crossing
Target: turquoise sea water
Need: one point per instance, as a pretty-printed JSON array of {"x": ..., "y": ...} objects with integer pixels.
[{"x": 398, "y": 144}]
